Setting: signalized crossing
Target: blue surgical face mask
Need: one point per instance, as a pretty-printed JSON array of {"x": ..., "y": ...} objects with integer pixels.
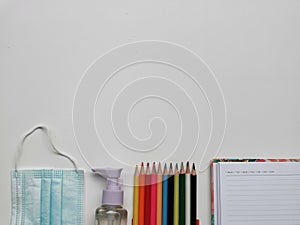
[{"x": 47, "y": 196}]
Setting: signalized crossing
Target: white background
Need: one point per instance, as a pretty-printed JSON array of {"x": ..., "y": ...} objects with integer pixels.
[{"x": 45, "y": 47}]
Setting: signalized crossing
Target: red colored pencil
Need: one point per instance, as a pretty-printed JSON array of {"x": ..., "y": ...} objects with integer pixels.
[
  {"x": 147, "y": 196},
  {"x": 142, "y": 195},
  {"x": 153, "y": 195}
]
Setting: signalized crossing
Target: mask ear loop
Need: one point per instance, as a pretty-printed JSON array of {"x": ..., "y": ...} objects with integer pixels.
[{"x": 54, "y": 149}]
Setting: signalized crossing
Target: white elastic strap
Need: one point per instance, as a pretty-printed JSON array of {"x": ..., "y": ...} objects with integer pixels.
[{"x": 54, "y": 149}]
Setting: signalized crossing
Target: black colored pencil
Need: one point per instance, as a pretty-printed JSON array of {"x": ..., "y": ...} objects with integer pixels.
[
  {"x": 182, "y": 195},
  {"x": 193, "y": 196}
]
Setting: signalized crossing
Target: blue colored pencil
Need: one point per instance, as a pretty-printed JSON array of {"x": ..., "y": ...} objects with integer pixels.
[{"x": 165, "y": 197}]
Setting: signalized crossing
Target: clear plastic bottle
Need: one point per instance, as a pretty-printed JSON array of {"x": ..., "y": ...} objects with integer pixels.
[
  {"x": 111, "y": 212},
  {"x": 111, "y": 215}
]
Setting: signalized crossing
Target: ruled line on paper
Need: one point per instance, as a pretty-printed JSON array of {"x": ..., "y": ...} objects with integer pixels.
[
  {"x": 263, "y": 175},
  {"x": 251, "y": 196},
  {"x": 264, "y": 204},
  {"x": 262, "y": 221},
  {"x": 262, "y": 209},
  {"x": 287, "y": 189},
  {"x": 242, "y": 185},
  {"x": 266, "y": 178}
]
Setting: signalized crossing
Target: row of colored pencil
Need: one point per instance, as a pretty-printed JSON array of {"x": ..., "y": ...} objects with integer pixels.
[{"x": 167, "y": 197}]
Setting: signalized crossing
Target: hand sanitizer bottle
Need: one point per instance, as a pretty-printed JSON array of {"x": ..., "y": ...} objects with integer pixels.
[{"x": 111, "y": 212}]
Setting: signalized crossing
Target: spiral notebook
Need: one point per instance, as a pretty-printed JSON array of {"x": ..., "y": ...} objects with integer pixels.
[{"x": 255, "y": 192}]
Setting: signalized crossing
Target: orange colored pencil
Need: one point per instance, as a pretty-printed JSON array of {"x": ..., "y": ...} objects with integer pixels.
[
  {"x": 142, "y": 195},
  {"x": 159, "y": 196}
]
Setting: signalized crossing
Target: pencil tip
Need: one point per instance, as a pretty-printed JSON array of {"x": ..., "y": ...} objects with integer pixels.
[
  {"x": 193, "y": 169},
  {"x": 171, "y": 169},
  {"x": 159, "y": 168},
  {"x": 148, "y": 164},
  {"x": 153, "y": 165},
  {"x": 176, "y": 168},
  {"x": 142, "y": 170},
  {"x": 188, "y": 170},
  {"x": 148, "y": 169},
  {"x": 165, "y": 169},
  {"x": 182, "y": 168},
  {"x": 153, "y": 168}
]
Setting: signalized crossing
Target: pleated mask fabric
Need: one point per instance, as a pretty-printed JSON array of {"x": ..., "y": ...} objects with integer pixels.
[{"x": 47, "y": 196}]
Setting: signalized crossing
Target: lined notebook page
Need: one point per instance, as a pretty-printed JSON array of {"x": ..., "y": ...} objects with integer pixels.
[{"x": 259, "y": 193}]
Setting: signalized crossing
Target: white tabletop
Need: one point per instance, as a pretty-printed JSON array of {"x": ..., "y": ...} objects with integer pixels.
[{"x": 46, "y": 46}]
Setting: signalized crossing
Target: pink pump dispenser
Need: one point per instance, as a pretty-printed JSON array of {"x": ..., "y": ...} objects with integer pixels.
[{"x": 111, "y": 212}]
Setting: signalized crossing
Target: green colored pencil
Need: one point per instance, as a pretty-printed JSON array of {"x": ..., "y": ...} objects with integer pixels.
[{"x": 176, "y": 196}]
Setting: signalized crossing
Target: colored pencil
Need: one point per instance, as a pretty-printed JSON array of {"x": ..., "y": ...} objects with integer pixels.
[
  {"x": 153, "y": 195},
  {"x": 193, "y": 196},
  {"x": 136, "y": 197},
  {"x": 165, "y": 196},
  {"x": 187, "y": 195},
  {"x": 171, "y": 196},
  {"x": 147, "y": 195},
  {"x": 182, "y": 195},
  {"x": 159, "y": 196},
  {"x": 142, "y": 195},
  {"x": 176, "y": 196},
  {"x": 168, "y": 198}
]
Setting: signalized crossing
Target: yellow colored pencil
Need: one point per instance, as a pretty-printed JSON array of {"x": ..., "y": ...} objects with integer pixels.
[
  {"x": 176, "y": 196},
  {"x": 136, "y": 197}
]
